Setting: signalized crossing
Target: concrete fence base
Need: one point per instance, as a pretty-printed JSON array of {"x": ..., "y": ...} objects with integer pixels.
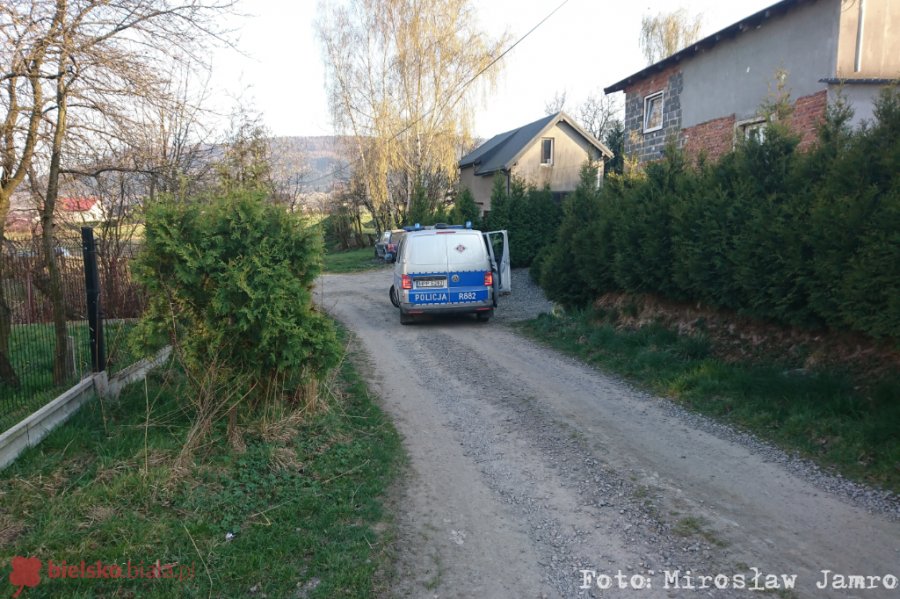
[{"x": 38, "y": 425}]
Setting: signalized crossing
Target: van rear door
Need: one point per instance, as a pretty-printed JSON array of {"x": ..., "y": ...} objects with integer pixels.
[{"x": 498, "y": 247}]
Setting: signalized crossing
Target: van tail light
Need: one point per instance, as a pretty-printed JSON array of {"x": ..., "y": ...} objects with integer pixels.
[
  {"x": 489, "y": 279},
  {"x": 406, "y": 282}
]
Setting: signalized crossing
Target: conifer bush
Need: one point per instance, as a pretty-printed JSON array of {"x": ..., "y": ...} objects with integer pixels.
[
  {"x": 230, "y": 284},
  {"x": 533, "y": 219},
  {"x": 809, "y": 239},
  {"x": 567, "y": 264},
  {"x": 466, "y": 210}
]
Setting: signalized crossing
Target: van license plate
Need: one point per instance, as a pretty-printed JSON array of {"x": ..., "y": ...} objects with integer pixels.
[{"x": 431, "y": 283}]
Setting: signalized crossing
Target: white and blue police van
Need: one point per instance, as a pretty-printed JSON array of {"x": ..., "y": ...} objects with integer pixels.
[{"x": 448, "y": 269}]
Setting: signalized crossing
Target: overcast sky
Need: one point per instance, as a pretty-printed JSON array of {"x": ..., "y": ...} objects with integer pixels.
[{"x": 585, "y": 46}]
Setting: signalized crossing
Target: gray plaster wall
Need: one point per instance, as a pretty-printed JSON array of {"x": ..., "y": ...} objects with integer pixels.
[
  {"x": 860, "y": 97},
  {"x": 737, "y": 74}
]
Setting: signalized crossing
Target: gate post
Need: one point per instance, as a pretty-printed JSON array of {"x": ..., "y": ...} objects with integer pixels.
[{"x": 92, "y": 288}]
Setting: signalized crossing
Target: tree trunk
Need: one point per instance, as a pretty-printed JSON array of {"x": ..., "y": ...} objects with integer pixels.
[
  {"x": 7, "y": 373},
  {"x": 57, "y": 301}
]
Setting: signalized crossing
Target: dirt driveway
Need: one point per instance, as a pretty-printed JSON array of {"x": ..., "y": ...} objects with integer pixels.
[{"x": 532, "y": 475}]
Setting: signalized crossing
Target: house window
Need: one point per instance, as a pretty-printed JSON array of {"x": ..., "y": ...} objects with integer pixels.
[
  {"x": 751, "y": 129},
  {"x": 653, "y": 112},
  {"x": 547, "y": 151}
]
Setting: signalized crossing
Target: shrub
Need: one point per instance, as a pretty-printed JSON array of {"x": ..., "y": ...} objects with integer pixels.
[
  {"x": 498, "y": 216},
  {"x": 643, "y": 240},
  {"x": 466, "y": 210},
  {"x": 230, "y": 285},
  {"x": 807, "y": 239},
  {"x": 566, "y": 264},
  {"x": 533, "y": 219}
]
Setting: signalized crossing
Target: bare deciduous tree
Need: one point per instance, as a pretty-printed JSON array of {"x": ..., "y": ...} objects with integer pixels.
[
  {"x": 666, "y": 33},
  {"x": 74, "y": 74},
  {"x": 598, "y": 113},
  {"x": 399, "y": 74},
  {"x": 556, "y": 103}
]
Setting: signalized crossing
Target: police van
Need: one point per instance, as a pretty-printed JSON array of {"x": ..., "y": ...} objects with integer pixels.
[{"x": 450, "y": 269}]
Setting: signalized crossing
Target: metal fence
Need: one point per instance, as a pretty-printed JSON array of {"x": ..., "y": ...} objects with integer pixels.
[{"x": 32, "y": 371}]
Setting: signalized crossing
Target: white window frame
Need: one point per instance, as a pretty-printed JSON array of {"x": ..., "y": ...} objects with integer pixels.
[
  {"x": 552, "y": 151},
  {"x": 742, "y": 128},
  {"x": 662, "y": 107}
]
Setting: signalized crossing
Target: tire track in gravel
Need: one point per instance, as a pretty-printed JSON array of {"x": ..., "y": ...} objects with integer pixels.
[{"x": 526, "y": 466}]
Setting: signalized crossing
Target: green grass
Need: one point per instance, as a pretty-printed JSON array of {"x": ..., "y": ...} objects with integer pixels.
[
  {"x": 352, "y": 261},
  {"x": 825, "y": 415},
  {"x": 31, "y": 350},
  {"x": 305, "y": 506}
]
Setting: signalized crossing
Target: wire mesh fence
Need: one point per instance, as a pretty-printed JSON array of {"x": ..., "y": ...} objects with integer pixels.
[{"x": 41, "y": 355}]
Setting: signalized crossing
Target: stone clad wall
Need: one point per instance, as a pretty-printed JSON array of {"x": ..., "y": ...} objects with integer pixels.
[
  {"x": 649, "y": 146},
  {"x": 714, "y": 137}
]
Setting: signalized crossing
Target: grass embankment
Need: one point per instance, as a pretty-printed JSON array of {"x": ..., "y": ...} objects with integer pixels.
[
  {"x": 31, "y": 349},
  {"x": 352, "y": 261},
  {"x": 829, "y": 416},
  {"x": 303, "y": 500}
]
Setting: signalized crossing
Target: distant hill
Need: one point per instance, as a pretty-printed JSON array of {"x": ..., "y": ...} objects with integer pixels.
[{"x": 317, "y": 162}]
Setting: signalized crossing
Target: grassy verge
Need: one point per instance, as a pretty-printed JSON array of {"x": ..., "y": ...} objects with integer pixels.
[
  {"x": 31, "y": 348},
  {"x": 825, "y": 415},
  {"x": 352, "y": 261},
  {"x": 302, "y": 501}
]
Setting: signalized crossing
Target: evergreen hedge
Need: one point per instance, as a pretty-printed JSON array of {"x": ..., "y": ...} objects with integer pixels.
[
  {"x": 530, "y": 215},
  {"x": 803, "y": 238}
]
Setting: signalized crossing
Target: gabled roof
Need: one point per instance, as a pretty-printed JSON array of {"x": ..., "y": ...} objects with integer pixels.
[
  {"x": 752, "y": 22},
  {"x": 501, "y": 151},
  {"x": 74, "y": 204}
]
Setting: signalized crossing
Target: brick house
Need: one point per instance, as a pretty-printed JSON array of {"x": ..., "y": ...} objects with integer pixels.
[{"x": 709, "y": 94}]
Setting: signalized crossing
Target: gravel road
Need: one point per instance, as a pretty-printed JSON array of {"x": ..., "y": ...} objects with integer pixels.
[{"x": 532, "y": 475}]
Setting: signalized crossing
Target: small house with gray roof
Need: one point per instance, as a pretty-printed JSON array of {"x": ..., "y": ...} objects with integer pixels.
[{"x": 546, "y": 153}]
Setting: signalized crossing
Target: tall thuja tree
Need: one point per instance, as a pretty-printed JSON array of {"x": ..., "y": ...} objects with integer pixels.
[
  {"x": 643, "y": 240},
  {"x": 565, "y": 264},
  {"x": 855, "y": 223},
  {"x": 769, "y": 250},
  {"x": 615, "y": 141},
  {"x": 835, "y": 182},
  {"x": 421, "y": 209},
  {"x": 533, "y": 219},
  {"x": 519, "y": 223},
  {"x": 466, "y": 210},
  {"x": 870, "y": 290},
  {"x": 704, "y": 224},
  {"x": 599, "y": 235},
  {"x": 498, "y": 216}
]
